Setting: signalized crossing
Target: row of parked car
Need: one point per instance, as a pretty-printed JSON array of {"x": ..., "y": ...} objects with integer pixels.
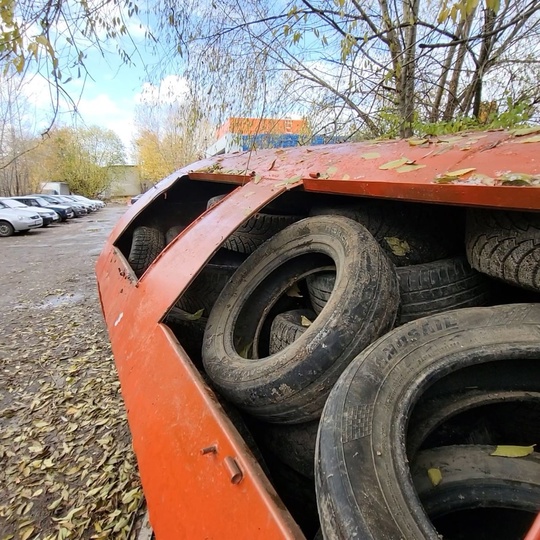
[{"x": 22, "y": 213}]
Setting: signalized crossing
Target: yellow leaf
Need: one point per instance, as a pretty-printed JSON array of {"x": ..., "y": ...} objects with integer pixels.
[
  {"x": 294, "y": 292},
  {"x": 409, "y": 168},
  {"x": 370, "y": 155},
  {"x": 305, "y": 321},
  {"x": 130, "y": 496},
  {"x": 513, "y": 451},
  {"x": 459, "y": 172},
  {"x": 400, "y": 248},
  {"x": 27, "y": 533},
  {"x": 435, "y": 476},
  {"x": 417, "y": 142},
  {"x": 396, "y": 163},
  {"x": 534, "y": 139},
  {"x": 525, "y": 131}
]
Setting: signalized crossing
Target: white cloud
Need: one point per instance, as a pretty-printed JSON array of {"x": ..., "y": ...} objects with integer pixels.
[{"x": 171, "y": 89}]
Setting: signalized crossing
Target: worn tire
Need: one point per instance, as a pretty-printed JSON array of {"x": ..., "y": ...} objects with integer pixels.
[
  {"x": 410, "y": 233},
  {"x": 147, "y": 243},
  {"x": 207, "y": 286},
  {"x": 256, "y": 230},
  {"x": 294, "y": 444},
  {"x": 472, "y": 478},
  {"x": 291, "y": 386},
  {"x": 505, "y": 245},
  {"x": 287, "y": 327},
  {"x": 425, "y": 289},
  {"x": 361, "y": 471}
]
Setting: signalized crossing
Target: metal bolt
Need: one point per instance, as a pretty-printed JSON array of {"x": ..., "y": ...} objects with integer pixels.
[
  {"x": 234, "y": 470},
  {"x": 209, "y": 450},
  {"x": 314, "y": 174}
]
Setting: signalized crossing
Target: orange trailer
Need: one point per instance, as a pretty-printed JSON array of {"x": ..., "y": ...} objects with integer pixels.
[{"x": 199, "y": 478}]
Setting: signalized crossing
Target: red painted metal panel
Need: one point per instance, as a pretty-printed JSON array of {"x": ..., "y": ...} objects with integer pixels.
[{"x": 171, "y": 413}]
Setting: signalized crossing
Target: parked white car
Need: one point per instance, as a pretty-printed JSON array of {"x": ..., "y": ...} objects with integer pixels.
[
  {"x": 48, "y": 216},
  {"x": 15, "y": 220}
]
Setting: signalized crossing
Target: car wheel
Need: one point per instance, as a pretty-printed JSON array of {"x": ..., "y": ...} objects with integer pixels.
[
  {"x": 6, "y": 228},
  {"x": 505, "y": 245},
  {"x": 291, "y": 386},
  {"x": 362, "y": 473}
]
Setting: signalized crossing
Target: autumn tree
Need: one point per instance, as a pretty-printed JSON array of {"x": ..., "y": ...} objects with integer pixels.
[
  {"x": 171, "y": 133},
  {"x": 80, "y": 157}
]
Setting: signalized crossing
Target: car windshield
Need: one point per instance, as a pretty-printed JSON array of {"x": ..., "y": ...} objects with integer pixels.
[
  {"x": 9, "y": 203},
  {"x": 41, "y": 201}
]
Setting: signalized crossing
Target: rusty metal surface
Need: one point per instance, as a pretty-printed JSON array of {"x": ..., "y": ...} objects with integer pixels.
[
  {"x": 191, "y": 491},
  {"x": 199, "y": 479}
]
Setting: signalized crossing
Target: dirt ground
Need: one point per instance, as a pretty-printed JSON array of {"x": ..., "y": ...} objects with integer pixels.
[{"x": 67, "y": 469}]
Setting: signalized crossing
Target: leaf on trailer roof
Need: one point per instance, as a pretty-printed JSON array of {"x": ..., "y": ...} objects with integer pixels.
[
  {"x": 525, "y": 131},
  {"x": 511, "y": 451},
  {"x": 409, "y": 168},
  {"x": 370, "y": 155},
  {"x": 418, "y": 142},
  {"x": 435, "y": 476},
  {"x": 459, "y": 172},
  {"x": 396, "y": 163},
  {"x": 534, "y": 139}
]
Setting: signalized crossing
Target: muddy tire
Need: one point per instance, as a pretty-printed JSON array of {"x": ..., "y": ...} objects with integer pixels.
[
  {"x": 294, "y": 444},
  {"x": 207, "y": 286},
  {"x": 147, "y": 243},
  {"x": 425, "y": 289},
  {"x": 362, "y": 473},
  {"x": 291, "y": 386},
  {"x": 256, "y": 230},
  {"x": 409, "y": 233},
  {"x": 287, "y": 327},
  {"x": 505, "y": 245},
  {"x": 472, "y": 478},
  {"x": 430, "y": 288}
]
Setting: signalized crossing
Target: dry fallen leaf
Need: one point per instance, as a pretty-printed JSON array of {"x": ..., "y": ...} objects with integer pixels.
[
  {"x": 400, "y": 248},
  {"x": 396, "y": 163},
  {"x": 511, "y": 451},
  {"x": 409, "y": 168},
  {"x": 370, "y": 155},
  {"x": 435, "y": 476},
  {"x": 305, "y": 321}
]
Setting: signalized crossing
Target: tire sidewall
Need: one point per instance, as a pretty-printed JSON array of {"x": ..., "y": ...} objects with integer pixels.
[
  {"x": 364, "y": 422},
  {"x": 350, "y": 246}
]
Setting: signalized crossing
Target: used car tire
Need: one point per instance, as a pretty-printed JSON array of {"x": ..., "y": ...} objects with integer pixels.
[
  {"x": 362, "y": 473},
  {"x": 505, "y": 245},
  {"x": 294, "y": 444},
  {"x": 256, "y": 230},
  {"x": 287, "y": 327},
  {"x": 147, "y": 243},
  {"x": 472, "y": 478},
  {"x": 291, "y": 386},
  {"x": 425, "y": 289},
  {"x": 410, "y": 233},
  {"x": 207, "y": 286},
  {"x": 6, "y": 229}
]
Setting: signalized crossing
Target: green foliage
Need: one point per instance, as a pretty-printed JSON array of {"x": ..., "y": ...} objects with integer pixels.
[{"x": 80, "y": 157}]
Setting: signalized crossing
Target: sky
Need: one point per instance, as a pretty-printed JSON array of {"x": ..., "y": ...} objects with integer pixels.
[{"x": 108, "y": 95}]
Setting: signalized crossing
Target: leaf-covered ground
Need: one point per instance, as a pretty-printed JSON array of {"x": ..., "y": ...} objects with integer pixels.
[{"x": 67, "y": 469}]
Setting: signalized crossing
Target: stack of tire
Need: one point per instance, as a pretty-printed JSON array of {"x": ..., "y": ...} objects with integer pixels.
[{"x": 353, "y": 343}]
